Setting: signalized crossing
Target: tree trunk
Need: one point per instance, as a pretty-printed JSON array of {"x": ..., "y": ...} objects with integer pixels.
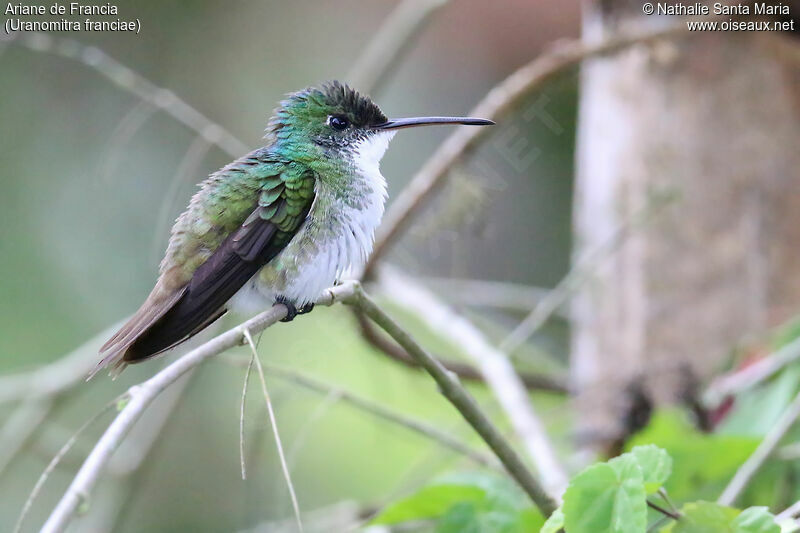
[{"x": 711, "y": 120}]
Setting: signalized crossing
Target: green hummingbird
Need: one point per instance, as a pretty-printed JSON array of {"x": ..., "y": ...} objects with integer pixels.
[{"x": 280, "y": 224}]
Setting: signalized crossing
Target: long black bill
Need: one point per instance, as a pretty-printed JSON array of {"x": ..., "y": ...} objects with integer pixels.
[{"x": 398, "y": 123}]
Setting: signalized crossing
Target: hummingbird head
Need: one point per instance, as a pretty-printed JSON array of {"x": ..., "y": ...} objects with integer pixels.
[{"x": 336, "y": 122}]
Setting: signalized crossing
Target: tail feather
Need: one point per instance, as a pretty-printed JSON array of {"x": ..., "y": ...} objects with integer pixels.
[{"x": 115, "y": 349}]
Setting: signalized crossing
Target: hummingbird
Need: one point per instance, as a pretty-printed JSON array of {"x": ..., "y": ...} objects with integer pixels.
[{"x": 278, "y": 225}]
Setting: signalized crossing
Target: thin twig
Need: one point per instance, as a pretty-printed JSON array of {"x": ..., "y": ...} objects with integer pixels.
[
  {"x": 56, "y": 377},
  {"x": 753, "y": 374},
  {"x": 500, "y": 100},
  {"x": 790, "y": 512},
  {"x": 57, "y": 459},
  {"x": 135, "y": 449},
  {"x": 379, "y": 411},
  {"x": 383, "y": 412},
  {"x": 391, "y": 40},
  {"x": 124, "y": 131},
  {"x": 134, "y": 83},
  {"x": 495, "y": 366},
  {"x": 241, "y": 418},
  {"x": 465, "y": 371},
  {"x": 187, "y": 168},
  {"x": 490, "y": 293},
  {"x": 309, "y": 424},
  {"x": 461, "y": 400},
  {"x": 580, "y": 272},
  {"x": 274, "y": 423},
  {"x": 764, "y": 450},
  {"x": 665, "y": 512},
  {"x": 19, "y": 428}
]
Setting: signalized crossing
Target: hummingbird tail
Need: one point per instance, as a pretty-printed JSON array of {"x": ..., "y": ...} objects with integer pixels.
[{"x": 115, "y": 349}]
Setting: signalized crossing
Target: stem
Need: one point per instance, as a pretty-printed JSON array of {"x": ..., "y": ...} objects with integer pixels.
[
  {"x": 754, "y": 463},
  {"x": 461, "y": 400}
]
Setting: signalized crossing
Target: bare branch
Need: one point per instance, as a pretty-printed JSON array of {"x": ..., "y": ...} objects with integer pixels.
[
  {"x": 764, "y": 450},
  {"x": 274, "y": 423},
  {"x": 133, "y": 83},
  {"x": 501, "y": 99},
  {"x": 382, "y": 412},
  {"x": 581, "y": 271},
  {"x": 494, "y": 365},
  {"x": 753, "y": 374},
  {"x": 464, "y": 371},
  {"x": 20, "y": 426},
  {"x": 57, "y": 377},
  {"x": 391, "y": 40},
  {"x": 56, "y": 460},
  {"x": 241, "y": 417},
  {"x": 491, "y": 293}
]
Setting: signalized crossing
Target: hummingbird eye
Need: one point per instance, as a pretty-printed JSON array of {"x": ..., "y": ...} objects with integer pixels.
[{"x": 338, "y": 123}]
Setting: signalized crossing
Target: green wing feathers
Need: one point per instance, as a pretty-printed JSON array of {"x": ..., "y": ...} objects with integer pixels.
[{"x": 241, "y": 218}]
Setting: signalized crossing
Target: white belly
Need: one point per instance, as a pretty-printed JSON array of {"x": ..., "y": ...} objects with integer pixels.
[{"x": 335, "y": 241}]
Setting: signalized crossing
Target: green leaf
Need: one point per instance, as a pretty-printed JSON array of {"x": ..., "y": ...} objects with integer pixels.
[
  {"x": 755, "y": 520},
  {"x": 708, "y": 517},
  {"x": 461, "y": 518},
  {"x": 554, "y": 522},
  {"x": 656, "y": 465},
  {"x": 702, "y": 464},
  {"x": 476, "y": 501},
  {"x": 704, "y": 517},
  {"x": 607, "y": 497},
  {"x": 429, "y": 502}
]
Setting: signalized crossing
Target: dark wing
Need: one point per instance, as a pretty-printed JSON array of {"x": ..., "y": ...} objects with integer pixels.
[{"x": 281, "y": 210}]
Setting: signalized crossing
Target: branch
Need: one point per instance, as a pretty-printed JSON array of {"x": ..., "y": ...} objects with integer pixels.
[
  {"x": 142, "y": 395},
  {"x": 495, "y": 367},
  {"x": 764, "y": 450},
  {"x": 55, "y": 378},
  {"x": 491, "y": 293},
  {"x": 20, "y": 426},
  {"x": 380, "y": 411},
  {"x": 582, "y": 270},
  {"x": 133, "y": 83},
  {"x": 500, "y": 100},
  {"x": 391, "y": 40},
  {"x": 753, "y": 374},
  {"x": 464, "y": 371},
  {"x": 461, "y": 400}
]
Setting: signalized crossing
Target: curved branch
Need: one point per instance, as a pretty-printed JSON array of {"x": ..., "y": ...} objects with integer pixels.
[
  {"x": 495, "y": 367},
  {"x": 464, "y": 371},
  {"x": 392, "y": 39},
  {"x": 134, "y": 83},
  {"x": 501, "y": 99}
]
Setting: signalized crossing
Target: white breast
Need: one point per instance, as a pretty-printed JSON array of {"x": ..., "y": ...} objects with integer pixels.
[
  {"x": 344, "y": 245},
  {"x": 345, "y": 253}
]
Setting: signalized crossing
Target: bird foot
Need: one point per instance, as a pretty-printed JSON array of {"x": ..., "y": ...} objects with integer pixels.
[{"x": 291, "y": 310}]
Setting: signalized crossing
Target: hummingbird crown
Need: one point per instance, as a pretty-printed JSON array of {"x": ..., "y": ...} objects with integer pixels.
[{"x": 333, "y": 115}]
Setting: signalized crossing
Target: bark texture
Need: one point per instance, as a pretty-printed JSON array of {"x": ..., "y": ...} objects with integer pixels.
[{"x": 712, "y": 122}]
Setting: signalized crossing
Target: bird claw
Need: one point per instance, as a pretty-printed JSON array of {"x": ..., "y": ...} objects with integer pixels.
[{"x": 291, "y": 310}]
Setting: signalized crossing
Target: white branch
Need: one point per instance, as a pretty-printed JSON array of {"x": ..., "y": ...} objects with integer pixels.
[
  {"x": 761, "y": 454},
  {"x": 753, "y": 374},
  {"x": 496, "y": 368}
]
